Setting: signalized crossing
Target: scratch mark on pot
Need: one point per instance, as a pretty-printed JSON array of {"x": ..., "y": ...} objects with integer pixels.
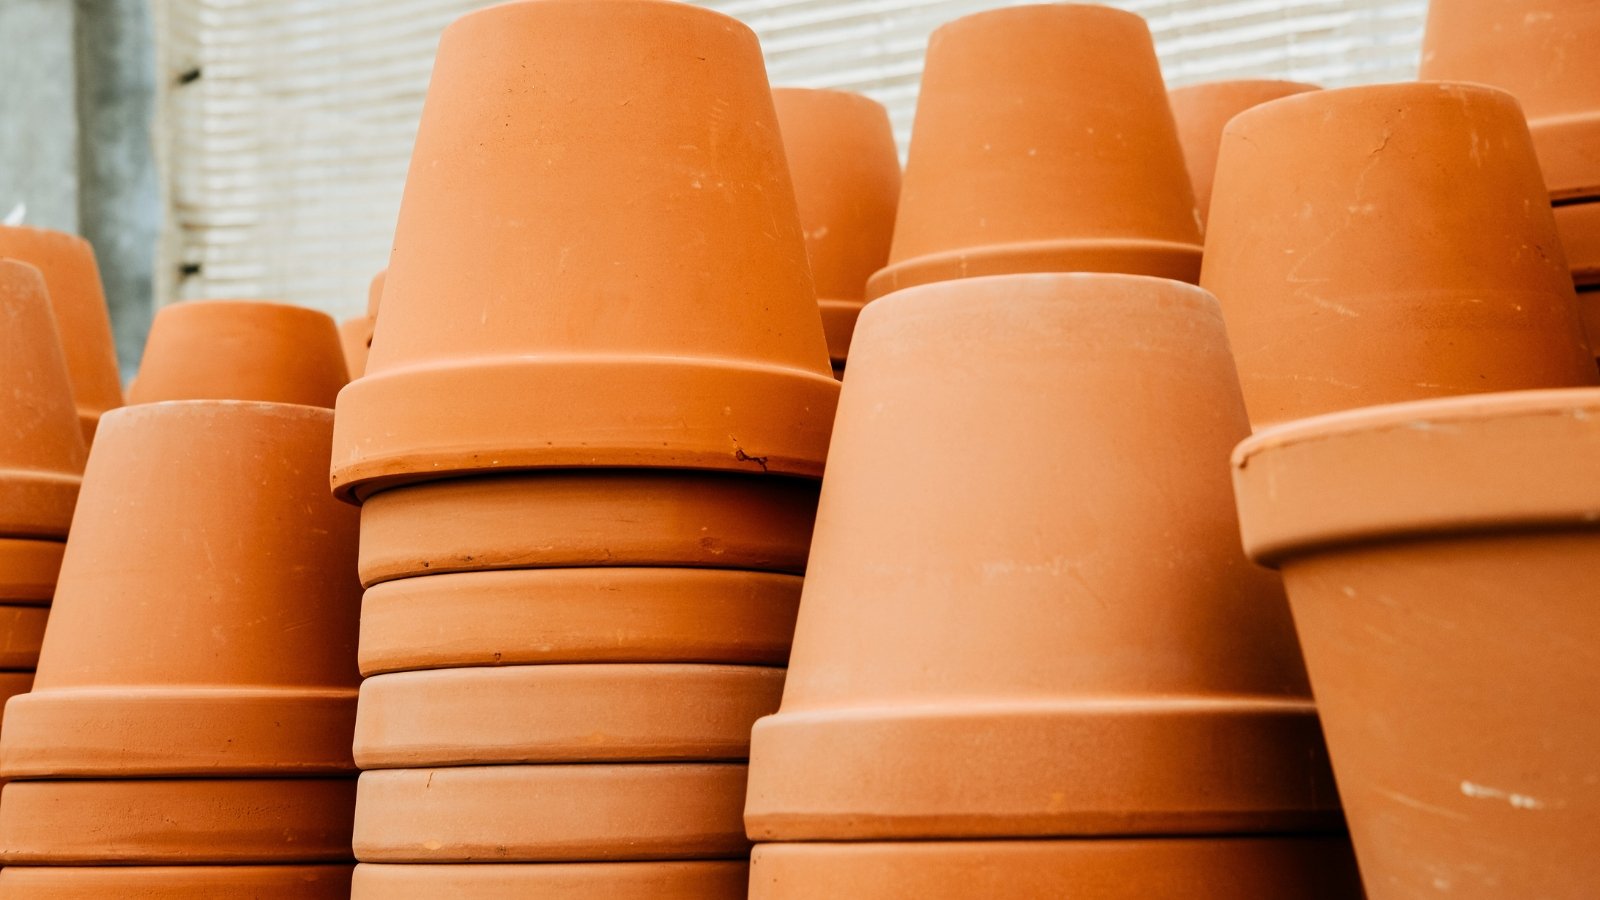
[
  {"x": 1339, "y": 308},
  {"x": 1484, "y": 792},
  {"x": 1414, "y": 803}
]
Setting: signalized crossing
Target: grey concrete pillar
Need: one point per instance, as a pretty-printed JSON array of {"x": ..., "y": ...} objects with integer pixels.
[{"x": 38, "y": 101}]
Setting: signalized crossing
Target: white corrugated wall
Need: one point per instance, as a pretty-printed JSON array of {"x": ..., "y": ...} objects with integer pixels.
[{"x": 286, "y": 126}]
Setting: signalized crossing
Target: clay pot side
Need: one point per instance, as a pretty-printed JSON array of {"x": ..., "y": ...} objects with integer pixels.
[
  {"x": 1078, "y": 169},
  {"x": 583, "y": 813},
  {"x": 21, "y": 633},
  {"x": 223, "y": 639},
  {"x": 568, "y": 714},
  {"x": 73, "y": 280},
  {"x": 375, "y": 293},
  {"x": 1541, "y": 52},
  {"x": 700, "y": 880},
  {"x": 284, "y": 820},
  {"x": 1075, "y": 581},
  {"x": 41, "y": 446},
  {"x": 1201, "y": 111},
  {"x": 1414, "y": 259},
  {"x": 615, "y": 615},
  {"x": 28, "y": 571},
  {"x": 846, "y": 172},
  {"x": 1579, "y": 226},
  {"x": 580, "y": 519},
  {"x": 1306, "y": 868},
  {"x": 598, "y": 260},
  {"x": 1589, "y": 308},
  {"x": 279, "y": 882},
  {"x": 1440, "y": 586},
  {"x": 241, "y": 350},
  {"x": 355, "y": 336}
]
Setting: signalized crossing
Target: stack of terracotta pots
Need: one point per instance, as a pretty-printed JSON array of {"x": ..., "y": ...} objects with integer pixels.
[
  {"x": 188, "y": 733},
  {"x": 356, "y": 334},
  {"x": 41, "y": 462},
  {"x": 241, "y": 350},
  {"x": 846, "y": 174},
  {"x": 1543, "y": 52},
  {"x": 586, "y": 450},
  {"x": 1202, "y": 110}
]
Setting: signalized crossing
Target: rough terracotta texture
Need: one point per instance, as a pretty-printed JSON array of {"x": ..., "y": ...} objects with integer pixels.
[
  {"x": 846, "y": 171},
  {"x": 564, "y": 713},
  {"x": 283, "y": 820},
  {"x": 579, "y": 519},
  {"x": 290, "y": 882},
  {"x": 621, "y": 614},
  {"x": 1415, "y": 257},
  {"x": 598, "y": 259},
  {"x": 1079, "y": 169},
  {"x": 1064, "y": 638},
  {"x": 1201, "y": 111},
  {"x": 41, "y": 445},
  {"x": 241, "y": 350},
  {"x": 1543, "y": 52},
  {"x": 1579, "y": 226},
  {"x": 1228, "y": 868},
  {"x": 199, "y": 632},
  {"x": 21, "y": 632},
  {"x": 700, "y": 880},
  {"x": 551, "y": 813},
  {"x": 28, "y": 570},
  {"x": 1444, "y": 590},
  {"x": 73, "y": 279}
]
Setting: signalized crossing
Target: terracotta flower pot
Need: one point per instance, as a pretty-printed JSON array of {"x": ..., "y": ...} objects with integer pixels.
[
  {"x": 1077, "y": 168},
  {"x": 578, "y": 519},
  {"x": 1415, "y": 257},
  {"x": 282, "y": 882},
  {"x": 571, "y": 713},
  {"x": 622, "y": 614},
  {"x": 1047, "y": 627},
  {"x": 199, "y": 631},
  {"x": 582, "y": 813},
  {"x": 152, "y": 821},
  {"x": 1579, "y": 227},
  {"x": 1226, "y": 868},
  {"x": 41, "y": 446},
  {"x": 28, "y": 570},
  {"x": 73, "y": 280},
  {"x": 12, "y": 684},
  {"x": 1201, "y": 111},
  {"x": 598, "y": 260},
  {"x": 1543, "y": 52},
  {"x": 700, "y": 880},
  {"x": 846, "y": 172},
  {"x": 21, "y": 633},
  {"x": 1444, "y": 590},
  {"x": 355, "y": 336},
  {"x": 241, "y": 350}
]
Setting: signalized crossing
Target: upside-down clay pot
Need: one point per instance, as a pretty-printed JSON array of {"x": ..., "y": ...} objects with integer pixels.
[
  {"x": 612, "y": 615},
  {"x": 1541, "y": 51},
  {"x": 1222, "y": 868},
  {"x": 241, "y": 350},
  {"x": 1443, "y": 587},
  {"x": 1201, "y": 111},
  {"x": 588, "y": 518},
  {"x": 846, "y": 172},
  {"x": 1043, "y": 142},
  {"x": 73, "y": 280},
  {"x": 28, "y": 570},
  {"x": 1416, "y": 256},
  {"x": 598, "y": 260},
  {"x": 199, "y": 628},
  {"x": 356, "y": 334},
  {"x": 1047, "y": 627},
  {"x": 1579, "y": 227},
  {"x": 680, "y": 880},
  {"x": 42, "y": 451},
  {"x": 156, "y": 821},
  {"x": 178, "y": 882},
  {"x": 551, "y": 813}
]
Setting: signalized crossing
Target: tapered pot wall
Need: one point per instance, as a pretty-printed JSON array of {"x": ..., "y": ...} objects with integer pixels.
[
  {"x": 73, "y": 280},
  {"x": 644, "y": 302},
  {"x": 1415, "y": 258},
  {"x": 1202, "y": 110},
  {"x": 1075, "y": 583},
  {"x": 240, "y": 350},
  {"x": 42, "y": 452},
  {"x": 846, "y": 174},
  {"x": 1444, "y": 592},
  {"x": 199, "y": 632},
  {"x": 1043, "y": 142}
]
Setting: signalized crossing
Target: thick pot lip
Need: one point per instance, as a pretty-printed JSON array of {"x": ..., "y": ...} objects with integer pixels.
[
  {"x": 671, "y": 7},
  {"x": 980, "y": 290},
  {"x": 1361, "y": 95},
  {"x": 279, "y": 308},
  {"x": 1477, "y": 464},
  {"x": 1026, "y": 11}
]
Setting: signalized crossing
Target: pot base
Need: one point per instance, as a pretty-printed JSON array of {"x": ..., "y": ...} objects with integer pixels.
[
  {"x": 1159, "y": 259},
  {"x": 1304, "y": 868},
  {"x": 175, "y": 882},
  {"x": 28, "y": 570},
  {"x": 21, "y": 633},
  {"x": 714, "y": 880},
  {"x": 555, "y": 813}
]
